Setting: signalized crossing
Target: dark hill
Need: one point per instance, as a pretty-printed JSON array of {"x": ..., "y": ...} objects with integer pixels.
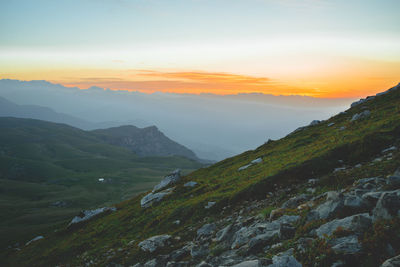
[{"x": 147, "y": 141}]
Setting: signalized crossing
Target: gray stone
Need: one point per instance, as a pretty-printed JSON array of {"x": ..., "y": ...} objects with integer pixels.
[
  {"x": 203, "y": 264},
  {"x": 34, "y": 239},
  {"x": 177, "y": 264},
  {"x": 330, "y": 208},
  {"x": 362, "y": 115},
  {"x": 285, "y": 259},
  {"x": 206, "y": 230},
  {"x": 198, "y": 251},
  {"x": 251, "y": 263},
  {"x": 392, "y": 148},
  {"x": 244, "y": 167},
  {"x": 346, "y": 245},
  {"x": 371, "y": 198},
  {"x": 256, "y": 161},
  {"x": 243, "y": 236},
  {"x": 260, "y": 241},
  {"x": 295, "y": 201},
  {"x": 392, "y": 262},
  {"x": 179, "y": 254},
  {"x": 153, "y": 243},
  {"x": 356, "y": 223},
  {"x": 168, "y": 180},
  {"x": 152, "y": 198},
  {"x": 210, "y": 204},
  {"x": 354, "y": 202},
  {"x": 88, "y": 214},
  {"x": 190, "y": 184},
  {"x": 314, "y": 122},
  {"x": 224, "y": 234},
  {"x": 331, "y": 124},
  {"x": 394, "y": 180},
  {"x": 387, "y": 206}
]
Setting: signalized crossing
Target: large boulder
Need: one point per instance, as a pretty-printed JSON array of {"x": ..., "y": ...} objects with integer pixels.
[
  {"x": 330, "y": 208},
  {"x": 154, "y": 243},
  {"x": 356, "y": 223},
  {"x": 168, "y": 180},
  {"x": 392, "y": 262},
  {"x": 152, "y": 198},
  {"x": 388, "y": 205}
]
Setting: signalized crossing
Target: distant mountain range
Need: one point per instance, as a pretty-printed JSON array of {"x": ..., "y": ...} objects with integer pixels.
[
  {"x": 147, "y": 141},
  {"x": 213, "y": 126}
]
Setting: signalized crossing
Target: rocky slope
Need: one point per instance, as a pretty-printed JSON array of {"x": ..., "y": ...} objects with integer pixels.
[
  {"x": 327, "y": 194},
  {"x": 147, "y": 141}
]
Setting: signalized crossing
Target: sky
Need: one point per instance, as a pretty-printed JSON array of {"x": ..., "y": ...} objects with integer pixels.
[{"x": 320, "y": 48}]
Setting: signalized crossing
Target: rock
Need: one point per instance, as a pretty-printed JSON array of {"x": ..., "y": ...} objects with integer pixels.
[
  {"x": 190, "y": 184},
  {"x": 356, "y": 103},
  {"x": 168, "y": 180},
  {"x": 345, "y": 245},
  {"x": 177, "y": 264},
  {"x": 330, "y": 208},
  {"x": 256, "y": 161},
  {"x": 203, "y": 264},
  {"x": 387, "y": 206},
  {"x": 392, "y": 262},
  {"x": 314, "y": 122},
  {"x": 392, "y": 148},
  {"x": 331, "y": 124},
  {"x": 160, "y": 261},
  {"x": 152, "y": 198},
  {"x": 251, "y": 263},
  {"x": 371, "y": 198},
  {"x": 243, "y": 236},
  {"x": 342, "y": 128},
  {"x": 177, "y": 222},
  {"x": 286, "y": 231},
  {"x": 362, "y": 115},
  {"x": 153, "y": 243},
  {"x": 206, "y": 230},
  {"x": 260, "y": 241},
  {"x": 354, "y": 203},
  {"x": 285, "y": 259},
  {"x": 355, "y": 223},
  {"x": 88, "y": 214},
  {"x": 210, "y": 204},
  {"x": 224, "y": 234},
  {"x": 198, "y": 251},
  {"x": 312, "y": 181},
  {"x": 295, "y": 201},
  {"x": 394, "y": 180},
  {"x": 244, "y": 167},
  {"x": 181, "y": 253},
  {"x": 34, "y": 239},
  {"x": 367, "y": 182}
]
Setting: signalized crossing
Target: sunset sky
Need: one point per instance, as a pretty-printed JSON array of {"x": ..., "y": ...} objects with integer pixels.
[{"x": 335, "y": 48}]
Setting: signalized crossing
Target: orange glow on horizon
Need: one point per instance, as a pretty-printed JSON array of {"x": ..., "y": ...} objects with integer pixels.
[{"x": 348, "y": 85}]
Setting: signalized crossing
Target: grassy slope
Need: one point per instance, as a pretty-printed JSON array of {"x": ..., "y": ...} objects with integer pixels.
[
  {"x": 42, "y": 162},
  {"x": 312, "y": 152}
]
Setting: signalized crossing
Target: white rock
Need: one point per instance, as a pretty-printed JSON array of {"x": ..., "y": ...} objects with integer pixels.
[
  {"x": 153, "y": 243},
  {"x": 87, "y": 214},
  {"x": 168, "y": 180},
  {"x": 35, "y": 239}
]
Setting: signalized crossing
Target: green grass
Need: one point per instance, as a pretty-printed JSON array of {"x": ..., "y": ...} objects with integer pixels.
[{"x": 312, "y": 152}]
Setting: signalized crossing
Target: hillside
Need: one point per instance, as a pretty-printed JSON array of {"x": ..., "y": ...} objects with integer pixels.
[
  {"x": 300, "y": 200},
  {"x": 147, "y": 141},
  {"x": 50, "y": 171}
]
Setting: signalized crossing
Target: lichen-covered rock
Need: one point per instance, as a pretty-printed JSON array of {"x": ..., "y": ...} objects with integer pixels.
[
  {"x": 388, "y": 205},
  {"x": 155, "y": 242},
  {"x": 168, "y": 180},
  {"x": 285, "y": 259},
  {"x": 356, "y": 223},
  {"x": 198, "y": 251},
  {"x": 330, "y": 208},
  {"x": 152, "y": 198}
]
